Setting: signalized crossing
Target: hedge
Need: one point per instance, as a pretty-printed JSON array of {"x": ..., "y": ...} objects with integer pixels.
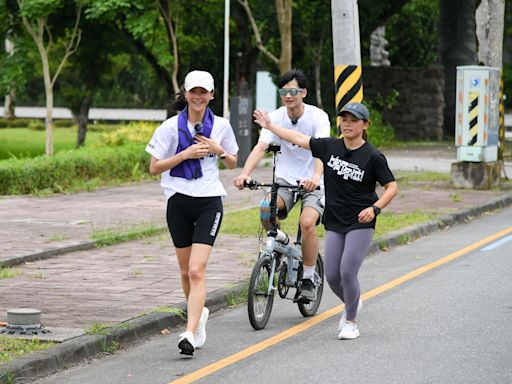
[
  {"x": 59, "y": 172},
  {"x": 15, "y": 123}
]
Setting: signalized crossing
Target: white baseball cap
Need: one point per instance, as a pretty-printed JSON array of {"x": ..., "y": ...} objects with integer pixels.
[{"x": 201, "y": 79}]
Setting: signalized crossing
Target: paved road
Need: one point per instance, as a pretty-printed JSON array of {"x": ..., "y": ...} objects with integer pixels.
[{"x": 449, "y": 322}]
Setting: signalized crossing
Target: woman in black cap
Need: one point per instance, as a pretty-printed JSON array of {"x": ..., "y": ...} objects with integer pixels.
[{"x": 352, "y": 167}]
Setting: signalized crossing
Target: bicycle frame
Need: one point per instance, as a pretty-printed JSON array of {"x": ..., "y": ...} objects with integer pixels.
[
  {"x": 293, "y": 253},
  {"x": 273, "y": 256}
]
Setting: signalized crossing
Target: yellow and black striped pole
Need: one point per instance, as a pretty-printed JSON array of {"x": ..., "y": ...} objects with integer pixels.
[
  {"x": 473, "y": 118},
  {"x": 347, "y": 53},
  {"x": 349, "y": 84},
  {"x": 501, "y": 131}
]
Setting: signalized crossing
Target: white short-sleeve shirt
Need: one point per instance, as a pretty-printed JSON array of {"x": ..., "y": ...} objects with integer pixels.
[
  {"x": 164, "y": 144},
  {"x": 296, "y": 163}
]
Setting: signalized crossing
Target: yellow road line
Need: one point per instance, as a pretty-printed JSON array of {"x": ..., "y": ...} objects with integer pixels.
[{"x": 253, "y": 349}]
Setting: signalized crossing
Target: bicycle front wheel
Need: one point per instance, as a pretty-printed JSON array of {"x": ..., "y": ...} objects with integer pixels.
[
  {"x": 310, "y": 308},
  {"x": 260, "y": 300}
]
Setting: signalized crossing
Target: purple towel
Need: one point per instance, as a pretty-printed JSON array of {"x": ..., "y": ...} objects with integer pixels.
[{"x": 191, "y": 168}]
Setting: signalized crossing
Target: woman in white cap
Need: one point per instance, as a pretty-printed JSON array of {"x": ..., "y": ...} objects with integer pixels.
[
  {"x": 352, "y": 167},
  {"x": 185, "y": 150}
]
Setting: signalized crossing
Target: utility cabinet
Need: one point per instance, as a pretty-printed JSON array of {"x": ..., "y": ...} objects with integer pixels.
[{"x": 477, "y": 113}]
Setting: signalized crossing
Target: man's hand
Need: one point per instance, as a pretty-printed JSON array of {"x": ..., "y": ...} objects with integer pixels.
[
  {"x": 262, "y": 118},
  {"x": 310, "y": 184},
  {"x": 239, "y": 181}
]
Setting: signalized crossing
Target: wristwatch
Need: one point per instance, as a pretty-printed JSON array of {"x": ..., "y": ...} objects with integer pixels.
[
  {"x": 376, "y": 210},
  {"x": 223, "y": 156}
]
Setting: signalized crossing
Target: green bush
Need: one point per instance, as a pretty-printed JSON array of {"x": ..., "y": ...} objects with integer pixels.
[
  {"x": 135, "y": 132},
  {"x": 36, "y": 125},
  {"x": 63, "y": 123},
  {"x": 63, "y": 170},
  {"x": 379, "y": 133},
  {"x": 100, "y": 127},
  {"x": 14, "y": 123}
]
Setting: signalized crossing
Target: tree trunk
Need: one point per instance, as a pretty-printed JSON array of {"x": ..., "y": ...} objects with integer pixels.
[
  {"x": 284, "y": 21},
  {"x": 10, "y": 104},
  {"x": 490, "y": 19},
  {"x": 10, "y": 98},
  {"x": 48, "y": 89},
  {"x": 49, "y": 121},
  {"x": 82, "y": 119},
  {"x": 172, "y": 40},
  {"x": 458, "y": 47},
  {"x": 318, "y": 84}
]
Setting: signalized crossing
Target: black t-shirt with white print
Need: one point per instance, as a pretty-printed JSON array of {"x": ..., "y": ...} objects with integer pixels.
[{"x": 350, "y": 178}]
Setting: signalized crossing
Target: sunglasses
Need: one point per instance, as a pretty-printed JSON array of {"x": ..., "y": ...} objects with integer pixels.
[{"x": 290, "y": 91}]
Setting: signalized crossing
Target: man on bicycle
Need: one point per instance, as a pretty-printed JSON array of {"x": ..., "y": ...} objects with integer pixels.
[{"x": 294, "y": 164}]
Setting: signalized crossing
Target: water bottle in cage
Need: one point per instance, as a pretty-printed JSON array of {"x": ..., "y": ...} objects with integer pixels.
[{"x": 282, "y": 237}]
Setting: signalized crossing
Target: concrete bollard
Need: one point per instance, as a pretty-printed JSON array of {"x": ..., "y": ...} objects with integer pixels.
[{"x": 484, "y": 176}]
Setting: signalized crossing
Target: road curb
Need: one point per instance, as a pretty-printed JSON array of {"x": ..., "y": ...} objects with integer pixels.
[
  {"x": 52, "y": 360},
  {"x": 49, "y": 253}
]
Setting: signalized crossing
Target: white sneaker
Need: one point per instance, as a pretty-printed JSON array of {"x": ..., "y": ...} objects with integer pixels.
[
  {"x": 186, "y": 343},
  {"x": 200, "y": 335},
  {"x": 349, "y": 331},
  {"x": 343, "y": 319}
]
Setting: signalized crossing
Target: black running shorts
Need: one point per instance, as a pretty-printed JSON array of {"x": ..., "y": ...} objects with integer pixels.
[{"x": 193, "y": 219}]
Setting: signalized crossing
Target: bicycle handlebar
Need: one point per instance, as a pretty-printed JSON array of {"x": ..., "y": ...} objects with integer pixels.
[{"x": 253, "y": 184}]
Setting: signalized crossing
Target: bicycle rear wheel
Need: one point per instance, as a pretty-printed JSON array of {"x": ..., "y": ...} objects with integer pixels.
[
  {"x": 309, "y": 309},
  {"x": 260, "y": 300}
]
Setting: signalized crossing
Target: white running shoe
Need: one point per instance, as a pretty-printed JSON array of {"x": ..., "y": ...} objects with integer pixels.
[
  {"x": 349, "y": 331},
  {"x": 343, "y": 319},
  {"x": 186, "y": 343},
  {"x": 200, "y": 335}
]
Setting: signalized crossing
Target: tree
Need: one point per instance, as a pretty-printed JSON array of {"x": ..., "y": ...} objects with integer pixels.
[
  {"x": 376, "y": 13},
  {"x": 413, "y": 34},
  {"x": 13, "y": 61},
  {"x": 165, "y": 33},
  {"x": 313, "y": 17},
  {"x": 90, "y": 68},
  {"x": 458, "y": 47},
  {"x": 284, "y": 22},
  {"x": 35, "y": 16}
]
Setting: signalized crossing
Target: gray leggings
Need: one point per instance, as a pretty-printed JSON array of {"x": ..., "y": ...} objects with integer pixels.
[{"x": 344, "y": 254}]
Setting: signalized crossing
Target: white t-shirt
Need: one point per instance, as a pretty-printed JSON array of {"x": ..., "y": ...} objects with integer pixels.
[
  {"x": 296, "y": 163},
  {"x": 164, "y": 144}
]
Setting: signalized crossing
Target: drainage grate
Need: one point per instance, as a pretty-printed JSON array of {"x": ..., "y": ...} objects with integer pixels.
[
  {"x": 23, "y": 322},
  {"x": 16, "y": 330}
]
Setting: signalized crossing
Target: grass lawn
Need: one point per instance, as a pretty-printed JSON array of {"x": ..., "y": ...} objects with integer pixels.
[
  {"x": 246, "y": 222},
  {"x": 11, "y": 348},
  {"x": 24, "y": 142}
]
